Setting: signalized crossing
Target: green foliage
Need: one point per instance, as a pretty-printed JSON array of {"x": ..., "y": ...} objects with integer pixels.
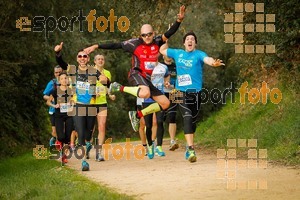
[
  {"x": 27, "y": 58},
  {"x": 276, "y": 127},
  {"x": 46, "y": 179}
]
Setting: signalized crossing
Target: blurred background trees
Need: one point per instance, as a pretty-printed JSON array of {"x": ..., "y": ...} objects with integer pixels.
[{"x": 27, "y": 58}]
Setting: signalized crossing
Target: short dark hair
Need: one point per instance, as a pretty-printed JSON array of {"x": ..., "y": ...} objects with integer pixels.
[
  {"x": 63, "y": 73},
  {"x": 190, "y": 33},
  {"x": 80, "y": 50}
]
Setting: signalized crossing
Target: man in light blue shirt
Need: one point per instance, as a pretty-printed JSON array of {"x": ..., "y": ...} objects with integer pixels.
[{"x": 189, "y": 68}]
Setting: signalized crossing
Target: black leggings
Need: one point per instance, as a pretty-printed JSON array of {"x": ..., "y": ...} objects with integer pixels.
[
  {"x": 84, "y": 125},
  {"x": 160, "y": 127},
  {"x": 171, "y": 112},
  {"x": 189, "y": 107},
  {"x": 64, "y": 128}
]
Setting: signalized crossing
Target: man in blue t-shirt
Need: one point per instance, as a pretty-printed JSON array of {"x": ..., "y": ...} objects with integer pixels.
[
  {"x": 189, "y": 67},
  {"x": 48, "y": 90}
]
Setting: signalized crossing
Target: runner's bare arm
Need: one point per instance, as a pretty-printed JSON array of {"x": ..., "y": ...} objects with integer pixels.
[
  {"x": 46, "y": 97},
  {"x": 50, "y": 104},
  {"x": 163, "y": 49}
]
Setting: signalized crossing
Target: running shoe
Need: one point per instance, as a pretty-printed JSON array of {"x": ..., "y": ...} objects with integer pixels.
[
  {"x": 114, "y": 87},
  {"x": 154, "y": 143},
  {"x": 146, "y": 150},
  {"x": 135, "y": 122},
  {"x": 159, "y": 151},
  {"x": 88, "y": 149},
  {"x": 190, "y": 155},
  {"x": 58, "y": 145},
  {"x": 52, "y": 141},
  {"x": 150, "y": 152},
  {"x": 99, "y": 157},
  {"x": 72, "y": 147},
  {"x": 85, "y": 166},
  {"x": 64, "y": 159},
  {"x": 173, "y": 145}
]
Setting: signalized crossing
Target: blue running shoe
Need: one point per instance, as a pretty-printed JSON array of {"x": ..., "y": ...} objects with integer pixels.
[
  {"x": 190, "y": 155},
  {"x": 159, "y": 151},
  {"x": 85, "y": 166},
  {"x": 150, "y": 153},
  {"x": 52, "y": 141},
  {"x": 88, "y": 149}
]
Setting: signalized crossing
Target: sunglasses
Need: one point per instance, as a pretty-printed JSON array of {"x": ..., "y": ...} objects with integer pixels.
[
  {"x": 80, "y": 56},
  {"x": 147, "y": 34}
]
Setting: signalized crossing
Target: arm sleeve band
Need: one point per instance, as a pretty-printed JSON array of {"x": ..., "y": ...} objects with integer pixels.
[
  {"x": 110, "y": 46},
  {"x": 172, "y": 29},
  {"x": 60, "y": 61}
]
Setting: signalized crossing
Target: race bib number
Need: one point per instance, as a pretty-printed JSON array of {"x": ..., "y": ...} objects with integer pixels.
[
  {"x": 83, "y": 85},
  {"x": 65, "y": 107},
  {"x": 184, "y": 80},
  {"x": 101, "y": 90},
  {"x": 150, "y": 65}
]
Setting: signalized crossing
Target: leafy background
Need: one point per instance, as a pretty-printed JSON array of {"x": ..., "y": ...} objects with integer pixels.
[{"x": 27, "y": 58}]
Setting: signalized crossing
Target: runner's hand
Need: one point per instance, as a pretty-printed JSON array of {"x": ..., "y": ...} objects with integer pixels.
[
  {"x": 112, "y": 96},
  {"x": 218, "y": 63},
  {"x": 167, "y": 84},
  {"x": 58, "y": 47},
  {"x": 180, "y": 16}
]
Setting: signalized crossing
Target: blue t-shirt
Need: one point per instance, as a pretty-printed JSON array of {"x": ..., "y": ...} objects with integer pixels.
[
  {"x": 85, "y": 83},
  {"x": 189, "y": 67},
  {"x": 48, "y": 90}
]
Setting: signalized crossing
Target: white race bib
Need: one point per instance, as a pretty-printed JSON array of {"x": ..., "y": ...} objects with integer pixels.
[
  {"x": 65, "y": 107},
  {"x": 149, "y": 65},
  {"x": 83, "y": 85},
  {"x": 184, "y": 80}
]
